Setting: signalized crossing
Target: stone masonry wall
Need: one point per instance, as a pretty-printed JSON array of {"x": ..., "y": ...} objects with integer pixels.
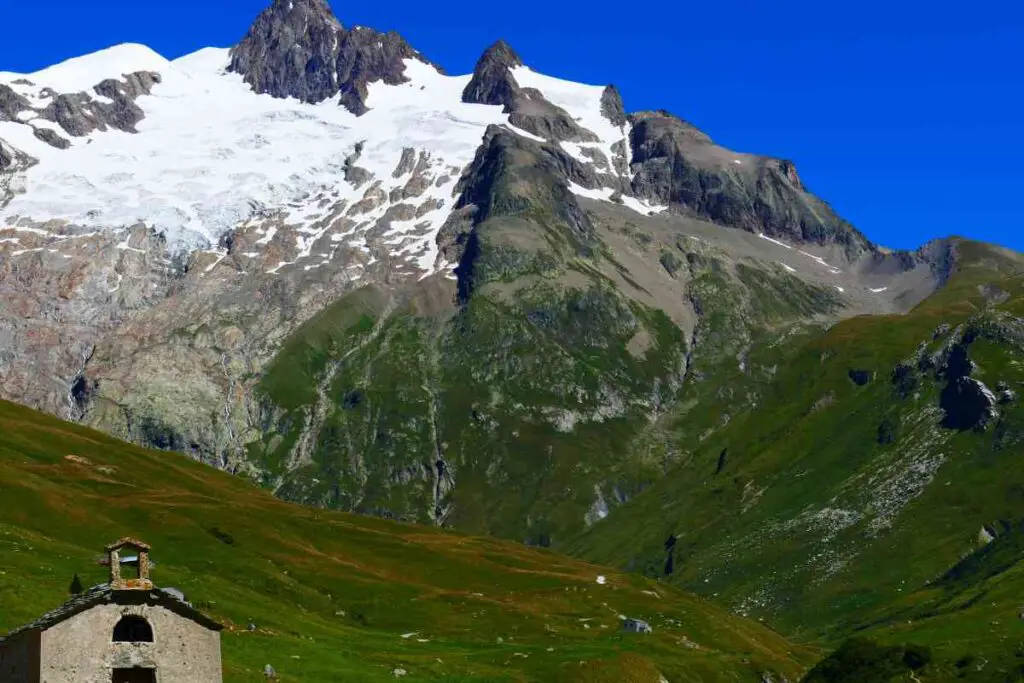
[{"x": 81, "y": 649}]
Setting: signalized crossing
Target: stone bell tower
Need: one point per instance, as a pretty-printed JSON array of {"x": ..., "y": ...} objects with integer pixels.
[{"x": 129, "y": 565}]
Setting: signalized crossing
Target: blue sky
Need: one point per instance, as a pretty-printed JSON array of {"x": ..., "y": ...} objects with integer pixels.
[{"x": 908, "y": 117}]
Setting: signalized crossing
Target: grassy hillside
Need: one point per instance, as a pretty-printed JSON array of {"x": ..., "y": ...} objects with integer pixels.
[
  {"x": 340, "y": 597},
  {"x": 865, "y": 472}
]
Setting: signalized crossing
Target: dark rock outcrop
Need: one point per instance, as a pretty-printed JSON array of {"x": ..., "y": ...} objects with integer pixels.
[
  {"x": 298, "y": 48},
  {"x": 968, "y": 404},
  {"x": 11, "y": 103},
  {"x": 678, "y": 165},
  {"x": 612, "y": 107},
  {"x": 79, "y": 114},
  {"x": 534, "y": 114},
  {"x": 512, "y": 197},
  {"x": 493, "y": 83},
  {"x": 6, "y": 158},
  {"x": 51, "y": 138}
]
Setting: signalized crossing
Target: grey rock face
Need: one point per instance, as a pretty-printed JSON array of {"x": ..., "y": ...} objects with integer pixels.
[
  {"x": 11, "y": 103},
  {"x": 51, "y": 138},
  {"x": 612, "y": 107},
  {"x": 298, "y": 48},
  {"x": 511, "y": 179},
  {"x": 291, "y": 50},
  {"x": 493, "y": 83},
  {"x": 6, "y": 158},
  {"x": 678, "y": 165},
  {"x": 534, "y": 114},
  {"x": 80, "y": 114}
]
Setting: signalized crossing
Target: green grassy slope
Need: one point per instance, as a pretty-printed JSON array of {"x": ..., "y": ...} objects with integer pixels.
[
  {"x": 841, "y": 494},
  {"x": 341, "y": 597}
]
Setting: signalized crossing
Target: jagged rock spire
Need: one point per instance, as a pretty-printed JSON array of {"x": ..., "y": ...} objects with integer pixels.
[
  {"x": 612, "y": 107},
  {"x": 291, "y": 51},
  {"x": 298, "y": 48},
  {"x": 492, "y": 81}
]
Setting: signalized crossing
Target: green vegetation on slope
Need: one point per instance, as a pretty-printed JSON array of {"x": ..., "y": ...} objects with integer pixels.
[
  {"x": 865, "y": 470},
  {"x": 339, "y": 597},
  {"x": 505, "y": 417}
]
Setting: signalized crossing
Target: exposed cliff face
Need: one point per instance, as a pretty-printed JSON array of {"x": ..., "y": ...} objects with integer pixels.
[
  {"x": 298, "y": 48},
  {"x": 678, "y": 165},
  {"x": 494, "y": 83}
]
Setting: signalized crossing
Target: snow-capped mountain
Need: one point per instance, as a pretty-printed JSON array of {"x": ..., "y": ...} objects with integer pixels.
[
  {"x": 203, "y": 155},
  {"x": 317, "y": 258}
]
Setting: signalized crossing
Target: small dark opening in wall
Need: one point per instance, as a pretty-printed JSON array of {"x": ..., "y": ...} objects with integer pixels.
[
  {"x": 133, "y": 629},
  {"x": 133, "y": 676}
]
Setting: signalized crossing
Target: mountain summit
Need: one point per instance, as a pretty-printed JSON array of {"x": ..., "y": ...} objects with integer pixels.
[{"x": 298, "y": 48}]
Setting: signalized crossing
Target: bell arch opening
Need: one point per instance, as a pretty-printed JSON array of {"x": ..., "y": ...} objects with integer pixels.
[{"x": 133, "y": 629}]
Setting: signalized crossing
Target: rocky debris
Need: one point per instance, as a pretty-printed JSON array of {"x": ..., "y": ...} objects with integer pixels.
[
  {"x": 675, "y": 164},
  {"x": 298, "y": 48},
  {"x": 269, "y": 673}
]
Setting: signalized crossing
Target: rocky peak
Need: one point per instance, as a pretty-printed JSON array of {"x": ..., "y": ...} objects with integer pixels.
[
  {"x": 500, "y": 54},
  {"x": 676, "y": 164},
  {"x": 290, "y": 51},
  {"x": 612, "y": 107},
  {"x": 298, "y": 48},
  {"x": 492, "y": 81}
]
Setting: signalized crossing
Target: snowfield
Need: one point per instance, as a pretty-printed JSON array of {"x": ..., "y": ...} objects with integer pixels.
[{"x": 211, "y": 155}]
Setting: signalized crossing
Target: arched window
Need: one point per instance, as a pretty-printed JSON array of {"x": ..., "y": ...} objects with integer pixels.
[{"x": 133, "y": 629}]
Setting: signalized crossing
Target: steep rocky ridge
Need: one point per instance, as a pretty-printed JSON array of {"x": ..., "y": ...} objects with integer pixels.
[
  {"x": 494, "y": 82},
  {"x": 678, "y": 165}
]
